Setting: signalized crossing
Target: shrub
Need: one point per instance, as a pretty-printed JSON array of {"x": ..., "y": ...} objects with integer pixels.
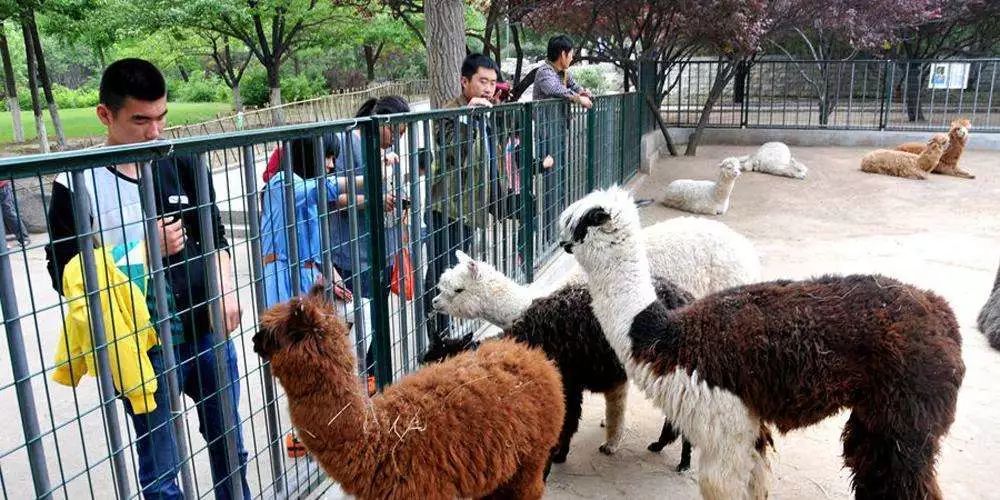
[
  {"x": 591, "y": 78},
  {"x": 202, "y": 89}
]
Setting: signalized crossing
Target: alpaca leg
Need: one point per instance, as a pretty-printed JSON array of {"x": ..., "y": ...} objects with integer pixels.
[
  {"x": 667, "y": 435},
  {"x": 890, "y": 465},
  {"x": 685, "y": 462},
  {"x": 527, "y": 483},
  {"x": 914, "y": 173},
  {"x": 760, "y": 476},
  {"x": 574, "y": 401},
  {"x": 724, "y": 472},
  {"x": 614, "y": 414}
]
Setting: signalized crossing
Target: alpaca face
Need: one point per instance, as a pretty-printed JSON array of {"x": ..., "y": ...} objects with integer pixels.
[
  {"x": 297, "y": 320},
  {"x": 937, "y": 143},
  {"x": 960, "y": 129},
  {"x": 730, "y": 168},
  {"x": 464, "y": 289},
  {"x": 595, "y": 228}
]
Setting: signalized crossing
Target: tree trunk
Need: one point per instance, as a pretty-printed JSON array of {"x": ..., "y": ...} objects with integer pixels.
[
  {"x": 184, "y": 74},
  {"x": 515, "y": 34},
  {"x": 274, "y": 83},
  {"x": 446, "y": 28},
  {"x": 29, "y": 51},
  {"x": 43, "y": 75},
  {"x": 237, "y": 98},
  {"x": 370, "y": 58},
  {"x": 11, "y": 86},
  {"x": 914, "y": 79},
  {"x": 722, "y": 78}
]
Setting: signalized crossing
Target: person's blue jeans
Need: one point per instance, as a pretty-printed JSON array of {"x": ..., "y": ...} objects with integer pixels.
[{"x": 156, "y": 442}]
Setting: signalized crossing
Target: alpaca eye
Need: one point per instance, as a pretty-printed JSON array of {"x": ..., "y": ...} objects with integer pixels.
[{"x": 459, "y": 290}]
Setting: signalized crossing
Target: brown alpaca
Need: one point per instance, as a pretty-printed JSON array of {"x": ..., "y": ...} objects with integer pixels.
[
  {"x": 481, "y": 424},
  {"x": 958, "y": 136},
  {"x": 903, "y": 164}
]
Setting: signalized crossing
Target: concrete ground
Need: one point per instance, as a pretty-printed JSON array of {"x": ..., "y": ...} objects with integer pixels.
[{"x": 942, "y": 234}]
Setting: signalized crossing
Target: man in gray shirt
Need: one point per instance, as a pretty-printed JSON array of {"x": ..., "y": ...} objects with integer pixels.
[{"x": 553, "y": 81}]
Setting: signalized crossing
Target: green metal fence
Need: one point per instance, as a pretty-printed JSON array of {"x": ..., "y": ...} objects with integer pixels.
[{"x": 430, "y": 183}]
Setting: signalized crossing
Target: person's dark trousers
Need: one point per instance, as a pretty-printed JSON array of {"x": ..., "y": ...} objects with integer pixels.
[
  {"x": 10, "y": 219},
  {"x": 156, "y": 442},
  {"x": 444, "y": 236}
]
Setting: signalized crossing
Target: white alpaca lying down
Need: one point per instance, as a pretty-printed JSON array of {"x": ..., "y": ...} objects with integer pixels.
[
  {"x": 776, "y": 159},
  {"x": 704, "y": 197}
]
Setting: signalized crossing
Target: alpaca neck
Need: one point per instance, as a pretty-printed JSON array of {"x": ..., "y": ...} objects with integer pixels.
[
  {"x": 723, "y": 188},
  {"x": 508, "y": 303},
  {"x": 620, "y": 290},
  {"x": 325, "y": 401},
  {"x": 955, "y": 147}
]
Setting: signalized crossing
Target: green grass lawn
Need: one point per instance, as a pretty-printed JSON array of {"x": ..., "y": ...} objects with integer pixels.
[{"x": 83, "y": 122}]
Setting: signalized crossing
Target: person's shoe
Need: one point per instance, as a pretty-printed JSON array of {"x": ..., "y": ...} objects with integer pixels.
[
  {"x": 25, "y": 242},
  {"x": 294, "y": 447}
]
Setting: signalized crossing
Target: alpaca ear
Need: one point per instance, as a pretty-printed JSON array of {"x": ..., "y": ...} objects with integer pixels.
[
  {"x": 462, "y": 257},
  {"x": 473, "y": 268}
]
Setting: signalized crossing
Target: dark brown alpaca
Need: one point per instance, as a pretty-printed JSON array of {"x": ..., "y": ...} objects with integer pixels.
[
  {"x": 786, "y": 354},
  {"x": 482, "y": 424}
]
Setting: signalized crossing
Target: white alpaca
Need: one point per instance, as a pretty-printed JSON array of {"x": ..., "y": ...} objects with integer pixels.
[
  {"x": 700, "y": 255},
  {"x": 704, "y": 197},
  {"x": 774, "y": 158}
]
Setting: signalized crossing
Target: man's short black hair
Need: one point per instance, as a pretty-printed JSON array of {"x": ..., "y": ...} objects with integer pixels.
[
  {"x": 135, "y": 78},
  {"x": 473, "y": 62},
  {"x": 558, "y": 45}
]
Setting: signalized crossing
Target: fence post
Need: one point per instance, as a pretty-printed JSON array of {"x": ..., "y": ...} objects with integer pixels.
[
  {"x": 22, "y": 377},
  {"x": 81, "y": 209},
  {"x": 159, "y": 287},
  {"x": 527, "y": 162},
  {"x": 257, "y": 266},
  {"x": 591, "y": 147},
  {"x": 622, "y": 111},
  {"x": 747, "y": 68},
  {"x": 220, "y": 339},
  {"x": 376, "y": 230},
  {"x": 886, "y": 101}
]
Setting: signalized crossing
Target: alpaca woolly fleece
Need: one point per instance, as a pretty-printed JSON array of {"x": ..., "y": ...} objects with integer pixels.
[
  {"x": 903, "y": 164},
  {"x": 482, "y": 423},
  {"x": 704, "y": 197},
  {"x": 776, "y": 159},
  {"x": 989, "y": 317},
  {"x": 698, "y": 254},
  {"x": 562, "y": 325},
  {"x": 958, "y": 136},
  {"x": 888, "y": 351}
]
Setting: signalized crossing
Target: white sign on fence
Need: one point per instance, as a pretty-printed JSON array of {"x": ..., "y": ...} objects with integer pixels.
[{"x": 948, "y": 76}]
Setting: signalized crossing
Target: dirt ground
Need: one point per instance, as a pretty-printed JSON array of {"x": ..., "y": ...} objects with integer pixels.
[{"x": 942, "y": 234}]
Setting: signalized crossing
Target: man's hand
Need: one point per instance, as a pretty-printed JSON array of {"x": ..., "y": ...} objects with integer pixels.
[
  {"x": 172, "y": 236},
  {"x": 231, "y": 312},
  {"x": 586, "y": 93},
  {"x": 390, "y": 203},
  {"x": 584, "y": 101},
  {"x": 480, "y": 102}
]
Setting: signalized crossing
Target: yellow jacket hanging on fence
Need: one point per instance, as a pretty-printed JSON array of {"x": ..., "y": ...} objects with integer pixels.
[{"x": 127, "y": 327}]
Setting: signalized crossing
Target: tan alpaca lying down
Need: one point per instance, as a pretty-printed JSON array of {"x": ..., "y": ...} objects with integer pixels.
[
  {"x": 903, "y": 164},
  {"x": 958, "y": 136}
]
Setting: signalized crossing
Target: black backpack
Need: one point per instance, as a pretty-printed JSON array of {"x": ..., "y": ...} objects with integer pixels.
[{"x": 518, "y": 90}]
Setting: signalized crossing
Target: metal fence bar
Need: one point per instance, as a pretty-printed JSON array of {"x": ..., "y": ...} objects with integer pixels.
[
  {"x": 81, "y": 209},
  {"x": 218, "y": 319},
  {"x": 159, "y": 285},
  {"x": 22, "y": 377},
  {"x": 257, "y": 266}
]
